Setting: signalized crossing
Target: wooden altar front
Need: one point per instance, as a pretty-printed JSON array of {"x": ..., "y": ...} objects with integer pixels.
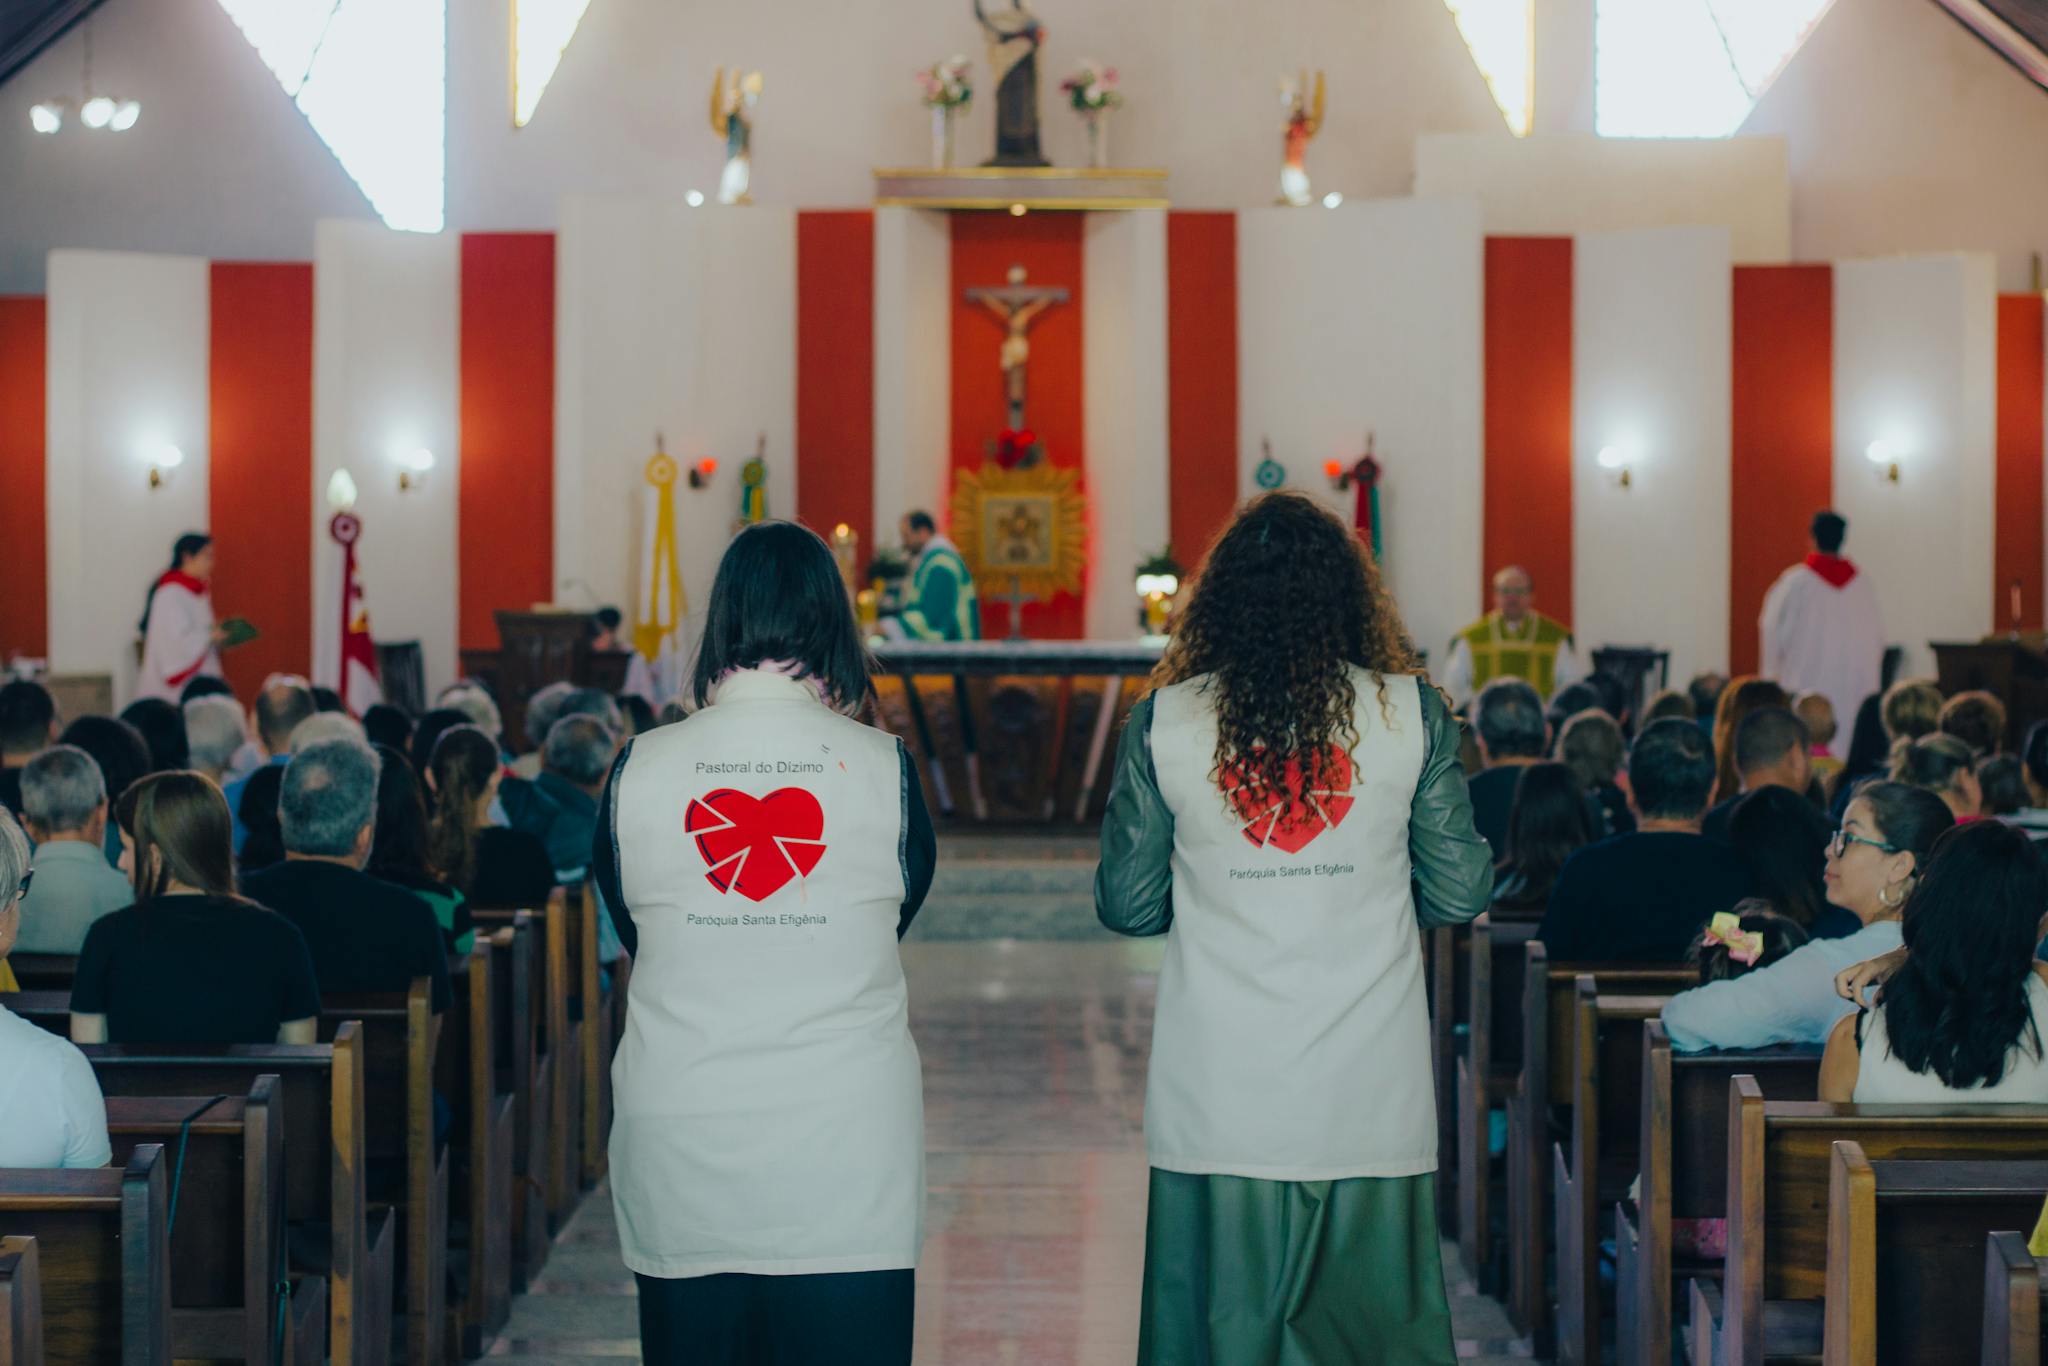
[{"x": 1011, "y": 732}]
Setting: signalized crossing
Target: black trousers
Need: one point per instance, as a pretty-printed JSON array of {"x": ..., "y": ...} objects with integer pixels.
[{"x": 860, "y": 1318}]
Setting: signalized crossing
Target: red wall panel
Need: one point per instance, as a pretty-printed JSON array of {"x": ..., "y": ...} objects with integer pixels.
[
  {"x": 835, "y": 375},
  {"x": 2017, "y": 553},
  {"x": 1528, "y": 472},
  {"x": 1201, "y": 377}
]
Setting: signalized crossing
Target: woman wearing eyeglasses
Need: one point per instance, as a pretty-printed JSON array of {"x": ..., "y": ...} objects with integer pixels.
[{"x": 1873, "y": 861}]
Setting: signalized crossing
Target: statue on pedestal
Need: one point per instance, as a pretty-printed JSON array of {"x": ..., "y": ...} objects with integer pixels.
[
  {"x": 1304, "y": 121},
  {"x": 1013, "y": 38},
  {"x": 732, "y": 118}
]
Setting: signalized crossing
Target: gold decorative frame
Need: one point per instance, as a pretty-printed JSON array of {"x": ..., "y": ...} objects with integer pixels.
[{"x": 1046, "y": 561}]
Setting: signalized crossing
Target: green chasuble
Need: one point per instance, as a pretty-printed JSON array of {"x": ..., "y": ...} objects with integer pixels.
[
  {"x": 942, "y": 603},
  {"x": 1527, "y": 652}
]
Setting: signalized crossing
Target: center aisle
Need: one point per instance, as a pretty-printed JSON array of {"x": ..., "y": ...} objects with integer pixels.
[{"x": 1034, "y": 1064}]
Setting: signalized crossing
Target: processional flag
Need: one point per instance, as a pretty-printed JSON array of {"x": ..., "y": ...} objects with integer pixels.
[
  {"x": 656, "y": 670},
  {"x": 359, "y": 687}
]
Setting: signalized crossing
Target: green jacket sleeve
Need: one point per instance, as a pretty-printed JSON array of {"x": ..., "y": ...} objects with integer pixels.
[
  {"x": 1134, "y": 881},
  {"x": 937, "y": 606},
  {"x": 1453, "y": 866}
]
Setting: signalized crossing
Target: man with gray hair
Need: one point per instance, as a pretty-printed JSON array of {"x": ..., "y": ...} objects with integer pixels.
[
  {"x": 579, "y": 755},
  {"x": 1513, "y": 733},
  {"x": 216, "y": 733},
  {"x": 365, "y": 934},
  {"x": 284, "y": 704},
  {"x": 64, "y": 797}
]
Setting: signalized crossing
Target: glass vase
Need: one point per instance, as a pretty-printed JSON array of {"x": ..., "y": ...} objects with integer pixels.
[
  {"x": 942, "y": 137},
  {"x": 1098, "y": 138}
]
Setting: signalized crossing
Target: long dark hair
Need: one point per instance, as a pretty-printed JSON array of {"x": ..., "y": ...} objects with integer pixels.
[
  {"x": 262, "y": 823},
  {"x": 398, "y": 846},
  {"x": 179, "y": 824},
  {"x": 1548, "y": 823},
  {"x": 186, "y": 546},
  {"x": 464, "y": 760},
  {"x": 1868, "y": 744},
  {"x": 1741, "y": 697},
  {"x": 1286, "y": 602},
  {"x": 162, "y": 727},
  {"x": 1911, "y": 819},
  {"x": 1958, "y": 1005},
  {"x": 1784, "y": 840},
  {"x": 778, "y": 595},
  {"x": 117, "y": 747}
]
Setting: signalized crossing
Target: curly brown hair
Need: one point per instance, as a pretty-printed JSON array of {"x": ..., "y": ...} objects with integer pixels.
[{"x": 1284, "y": 603}]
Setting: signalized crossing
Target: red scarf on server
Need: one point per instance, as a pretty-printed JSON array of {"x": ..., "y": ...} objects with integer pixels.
[{"x": 1836, "y": 570}]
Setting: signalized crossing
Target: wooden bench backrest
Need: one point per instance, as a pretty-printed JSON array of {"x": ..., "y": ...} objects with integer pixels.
[
  {"x": 1684, "y": 1113},
  {"x": 103, "y": 1247},
  {"x": 1493, "y": 994},
  {"x": 47, "y": 1010},
  {"x": 1905, "y": 1249},
  {"x": 44, "y": 971},
  {"x": 2013, "y": 1282},
  {"x": 21, "y": 1303},
  {"x": 227, "y": 1228},
  {"x": 1779, "y": 1154},
  {"x": 1549, "y": 1006}
]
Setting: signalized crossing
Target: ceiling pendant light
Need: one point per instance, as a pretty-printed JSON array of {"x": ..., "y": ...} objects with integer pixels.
[{"x": 96, "y": 112}]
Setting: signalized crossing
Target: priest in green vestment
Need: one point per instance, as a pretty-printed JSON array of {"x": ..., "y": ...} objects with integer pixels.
[
  {"x": 940, "y": 603},
  {"x": 1514, "y": 640}
]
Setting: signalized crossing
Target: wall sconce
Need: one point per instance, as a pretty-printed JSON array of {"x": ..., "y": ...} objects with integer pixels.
[
  {"x": 163, "y": 464},
  {"x": 1885, "y": 456},
  {"x": 701, "y": 472},
  {"x": 341, "y": 492},
  {"x": 1615, "y": 458},
  {"x": 413, "y": 468}
]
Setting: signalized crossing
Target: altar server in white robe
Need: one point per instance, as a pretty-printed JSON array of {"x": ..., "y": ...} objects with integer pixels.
[
  {"x": 761, "y": 858},
  {"x": 1820, "y": 629},
  {"x": 179, "y": 637}
]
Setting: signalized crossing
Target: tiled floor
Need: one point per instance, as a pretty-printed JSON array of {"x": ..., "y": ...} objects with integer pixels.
[{"x": 1034, "y": 1063}]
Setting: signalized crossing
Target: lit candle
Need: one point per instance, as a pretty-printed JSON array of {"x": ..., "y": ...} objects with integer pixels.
[{"x": 845, "y": 551}]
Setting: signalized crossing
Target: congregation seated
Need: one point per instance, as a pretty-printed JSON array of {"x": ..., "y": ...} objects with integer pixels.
[
  {"x": 1907, "y": 710},
  {"x": 2033, "y": 757},
  {"x": 364, "y": 935},
  {"x": 256, "y": 817},
  {"x": 284, "y": 704},
  {"x": 1549, "y": 824},
  {"x": 1642, "y": 897},
  {"x": 1508, "y": 720},
  {"x": 327, "y": 700},
  {"x": 1592, "y": 743},
  {"x": 191, "y": 961},
  {"x": 1747, "y": 939},
  {"x": 54, "y": 1116},
  {"x": 1741, "y": 697},
  {"x": 578, "y": 756},
  {"x": 639, "y": 713},
  {"x": 28, "y": 724},
  {"x": 398, "y": 850},
  {"x": 1817, "y": 714},
  {"x": 65, "y": 801},
  {"x": 1770, "y": 750},
  {"x": 1964, "y": 1016},
  {"x": 493, "y": 865},
  {"x": 542, "y": 710},
  {"x": 1783, "y": 838},
  {"x": 2001, "y": 779},
  {"x": 1668, "y": 705},
  {"x": 122, "y": 754},
  {"x": 161, "y": 725},
  {"x": 387, "y": 726},
  {"x": 1706, "y": 689},
  {"x": 205, "y": 685},
  {"x": 1872, "y": 861},
  {"x": 216, "y": 737},
  {"x": 1977, "y": 718},
  {"x": 1943, "y": 765}
]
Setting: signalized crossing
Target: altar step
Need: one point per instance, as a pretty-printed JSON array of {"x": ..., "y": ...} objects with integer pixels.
[{"x": 1012, "y": 886}]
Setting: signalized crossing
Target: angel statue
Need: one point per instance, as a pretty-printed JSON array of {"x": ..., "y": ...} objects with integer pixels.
[
  {"x": 1013, "y": 38},
  {"x": 732, "y": 118},
  {"x": 1304, "y": 120}
]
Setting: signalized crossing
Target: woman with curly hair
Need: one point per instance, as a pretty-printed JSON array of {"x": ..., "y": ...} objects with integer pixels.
[{"x": 1288, "y": 807}]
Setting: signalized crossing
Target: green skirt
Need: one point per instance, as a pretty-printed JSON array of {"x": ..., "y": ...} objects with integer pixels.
[{"x": 1240, "y": 1272}]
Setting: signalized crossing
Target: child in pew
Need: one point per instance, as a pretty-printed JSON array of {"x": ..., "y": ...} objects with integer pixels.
[
  {"x": 54, "y": 1116},
  {"x": 1962, "y": 1018},
  {"x": 1890, "y": 829}
]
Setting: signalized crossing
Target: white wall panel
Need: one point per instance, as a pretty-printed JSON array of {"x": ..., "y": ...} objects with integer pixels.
[
  {"x": 385, "y": 384},
  {"x": 913, "y": 365},
  {"x": 127, "y": 376},
  {"x": 1650, "y": 377},
  {"x": 1915, "y": 367},
  {"x": 1123, "y": 345}
]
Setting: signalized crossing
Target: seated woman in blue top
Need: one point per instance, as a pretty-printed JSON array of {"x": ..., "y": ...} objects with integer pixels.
[{"x": 1873, "y": 861}]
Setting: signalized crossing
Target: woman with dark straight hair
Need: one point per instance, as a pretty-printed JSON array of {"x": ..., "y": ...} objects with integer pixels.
[
  {"x": 161, "y": 725},
  {"x": 1962, "y": 1017},
  {"x": 1288, "y": 809},
  {"x": 760, "y": 859},
  {"x": 490, "y": 864},
  {"x": 190, "y": 961},
  {"x": 398, "y": 849},
  {"x": 1549, "y": 822}
]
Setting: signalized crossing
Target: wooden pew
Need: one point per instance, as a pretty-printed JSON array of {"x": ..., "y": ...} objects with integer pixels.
[
  {"x": 1682, "y": 1155},
  {"x": 2013, "y": 1281},
  {"x": 599, "y": 1029},
  {"x": 1543, "y": 1098},
  {"x": 227, "y": 1223},
  {"x": 525, "y": 1071},
  {"x": 1596, "y": 1168},
  {"x": 1443, "y": 979},
  {"x": 326, "y": 1199},
  {"x": 103, "y": 1248},
  {"x": 1487, "y": 1074},
  {"x": 1768, "y": 1304},
  {"x": 1905, "y": 1246},
  {"x": 49, "y": 1010},
  {"x": 21, "y": 1303},
  {"x": 44, "y": 971},
  {"x": 482, "y": 1129},
  {"x": 561, "y": 1041},
  {"x": 406, "y": 1166}
]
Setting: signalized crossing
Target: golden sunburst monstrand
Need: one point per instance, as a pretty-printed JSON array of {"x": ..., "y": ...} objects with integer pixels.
[{"x": 1022, "y": 530}]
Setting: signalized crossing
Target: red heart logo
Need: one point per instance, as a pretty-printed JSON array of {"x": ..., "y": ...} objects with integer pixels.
[
  {"x": 1277, "y": 820},
  {"x": 755, "y": 845}
]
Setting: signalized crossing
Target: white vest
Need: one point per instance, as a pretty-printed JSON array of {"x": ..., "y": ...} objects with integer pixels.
[
  {"x": 1291, "y": 1041},
  {"x": 770, "y": 1108},
  {"x": 1882, "y": 1079}
]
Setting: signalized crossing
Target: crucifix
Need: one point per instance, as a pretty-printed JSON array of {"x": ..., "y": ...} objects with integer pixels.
[{"x": 1018, "y": 306}]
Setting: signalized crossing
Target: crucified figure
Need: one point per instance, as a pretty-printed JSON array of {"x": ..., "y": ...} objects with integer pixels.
[{"x": 1018, "y": 306}]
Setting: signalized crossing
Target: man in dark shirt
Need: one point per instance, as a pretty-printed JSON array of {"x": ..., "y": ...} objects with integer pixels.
[
  {"x": 28, "y": 726},
  {"x": 365, "y": 935},
  {"x": 1508, "y": 719},
  {"x": 1645, "y": 897},
  {"x": 1770, "y": 751}
]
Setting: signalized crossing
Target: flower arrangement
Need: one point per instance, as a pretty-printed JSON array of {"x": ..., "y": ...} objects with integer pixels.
[
  {"x": 946, "y": 85},
  {"x": 1016, "y": 448},
  {"x": 1093, "y": 88}
]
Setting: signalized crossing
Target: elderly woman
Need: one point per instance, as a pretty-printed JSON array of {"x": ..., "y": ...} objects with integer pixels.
[
  {"x": 51, "y": 1114},
  {"x": 216, "y": 734},
  {"x": 65, "y": 799}
]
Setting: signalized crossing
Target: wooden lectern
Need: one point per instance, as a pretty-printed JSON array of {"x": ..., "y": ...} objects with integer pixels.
[
  {"x": 534, "y": 650},
  {"x": 2014, "y": 668}
]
